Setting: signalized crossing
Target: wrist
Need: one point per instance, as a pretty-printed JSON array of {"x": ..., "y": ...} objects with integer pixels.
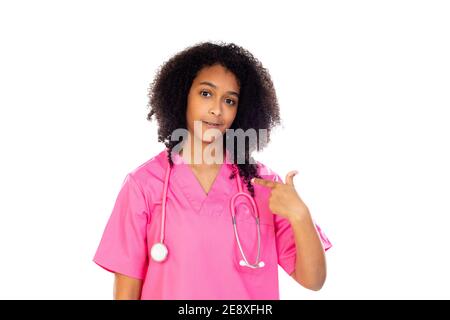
[{"x": 300, "y": 216}]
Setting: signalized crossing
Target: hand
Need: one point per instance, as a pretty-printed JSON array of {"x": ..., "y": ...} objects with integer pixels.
[{"x": 284, "y": 199}]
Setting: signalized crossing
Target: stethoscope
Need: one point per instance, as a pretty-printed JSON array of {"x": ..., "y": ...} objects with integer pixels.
[{"x": 159, "y": 250}]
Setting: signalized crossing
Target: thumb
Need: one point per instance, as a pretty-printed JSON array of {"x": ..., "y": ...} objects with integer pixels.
[{"x": 290, "y": 177}]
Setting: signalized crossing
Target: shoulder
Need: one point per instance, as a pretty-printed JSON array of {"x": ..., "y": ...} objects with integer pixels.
[{"x": 149, "y": 173}]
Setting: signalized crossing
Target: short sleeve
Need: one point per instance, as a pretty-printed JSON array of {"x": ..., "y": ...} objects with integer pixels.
[
  {"x": 123, "y": 246},
  {"x": 285, "y": 240}
]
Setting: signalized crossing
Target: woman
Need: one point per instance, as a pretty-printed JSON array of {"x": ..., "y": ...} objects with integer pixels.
[{"x": 173, "y": 233}]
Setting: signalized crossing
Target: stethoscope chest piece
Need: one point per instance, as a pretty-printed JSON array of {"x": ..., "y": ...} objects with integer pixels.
[{"x": 159, "y": 252}]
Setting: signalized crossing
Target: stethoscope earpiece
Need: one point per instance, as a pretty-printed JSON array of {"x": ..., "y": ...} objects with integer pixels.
[{"x": 244, "y": 264}]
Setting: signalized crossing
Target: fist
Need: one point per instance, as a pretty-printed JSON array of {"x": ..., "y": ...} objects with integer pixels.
[{"x": 284, "y": 199}]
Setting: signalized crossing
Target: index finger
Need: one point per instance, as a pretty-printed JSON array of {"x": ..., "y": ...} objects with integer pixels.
[{"x": 264, "y": 182}]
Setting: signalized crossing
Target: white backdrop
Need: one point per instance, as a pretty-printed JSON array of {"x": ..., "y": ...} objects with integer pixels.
[{"x": 364, "y": 93}]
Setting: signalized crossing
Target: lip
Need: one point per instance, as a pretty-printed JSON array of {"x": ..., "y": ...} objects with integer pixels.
[{"x": 212, "y": 124}]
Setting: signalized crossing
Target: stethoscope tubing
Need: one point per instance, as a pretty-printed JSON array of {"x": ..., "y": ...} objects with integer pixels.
[
  {"x": 160, "y": 249},
  {"x": 258, "y": 227}
]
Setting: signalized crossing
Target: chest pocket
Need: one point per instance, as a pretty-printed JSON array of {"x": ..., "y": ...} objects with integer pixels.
[{"x": 248, "y": 237}]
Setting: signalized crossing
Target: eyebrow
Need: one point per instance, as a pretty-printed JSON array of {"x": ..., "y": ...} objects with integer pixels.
[{"x": 215, "y": 87}]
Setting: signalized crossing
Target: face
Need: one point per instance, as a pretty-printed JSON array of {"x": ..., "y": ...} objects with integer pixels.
[{"x": 212, "y": 101}]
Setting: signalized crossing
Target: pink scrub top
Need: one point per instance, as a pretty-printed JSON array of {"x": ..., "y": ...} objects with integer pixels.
[{"x": 203, "y": 259}]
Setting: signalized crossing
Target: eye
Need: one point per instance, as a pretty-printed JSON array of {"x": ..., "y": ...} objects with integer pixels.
[
  {"x": 203, "y": 93},
  {"x": 230, "y": 102}
]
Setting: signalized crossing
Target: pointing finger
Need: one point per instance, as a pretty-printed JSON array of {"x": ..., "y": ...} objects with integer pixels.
[{"x": 263, "y": 182}]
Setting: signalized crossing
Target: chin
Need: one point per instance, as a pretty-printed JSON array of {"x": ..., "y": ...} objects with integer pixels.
[{"x": 209, "y": 141}]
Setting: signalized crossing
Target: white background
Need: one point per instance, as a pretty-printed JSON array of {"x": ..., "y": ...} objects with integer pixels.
[{"x": 363, "y": 88}]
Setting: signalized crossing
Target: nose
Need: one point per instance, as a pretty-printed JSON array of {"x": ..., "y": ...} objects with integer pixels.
[{"x": 216, "y": 109}]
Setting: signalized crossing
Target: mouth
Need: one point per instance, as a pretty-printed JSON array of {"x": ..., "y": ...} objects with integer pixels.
[{"x": 212, "y": 124}]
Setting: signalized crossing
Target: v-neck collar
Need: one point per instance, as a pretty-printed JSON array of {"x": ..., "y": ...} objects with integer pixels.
[
  {"x": 184, "y": 177},
  {"x": 218, "y": 173}
]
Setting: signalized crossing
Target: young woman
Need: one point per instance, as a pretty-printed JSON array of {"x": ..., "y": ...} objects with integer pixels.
[{"x": 186, "y": 228}]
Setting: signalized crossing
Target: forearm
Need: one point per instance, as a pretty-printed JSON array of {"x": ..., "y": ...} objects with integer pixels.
[
  {"x": 310, "y": 265},
  {"x": 126, "y": 288},
  {"x": 310, "y": 268}
]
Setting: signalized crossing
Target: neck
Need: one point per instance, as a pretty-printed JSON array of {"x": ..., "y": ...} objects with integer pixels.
[{"x": 200, "y": 154}]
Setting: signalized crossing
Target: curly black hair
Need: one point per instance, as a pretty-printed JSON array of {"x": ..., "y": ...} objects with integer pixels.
[{"x": 258, "y": 105}]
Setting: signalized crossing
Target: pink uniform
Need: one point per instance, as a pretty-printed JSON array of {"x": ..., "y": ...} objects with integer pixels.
[{"x": 203, "y": 259}]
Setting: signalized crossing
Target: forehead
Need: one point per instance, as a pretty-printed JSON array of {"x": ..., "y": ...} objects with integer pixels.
[{"x": 219, "y": 76}]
